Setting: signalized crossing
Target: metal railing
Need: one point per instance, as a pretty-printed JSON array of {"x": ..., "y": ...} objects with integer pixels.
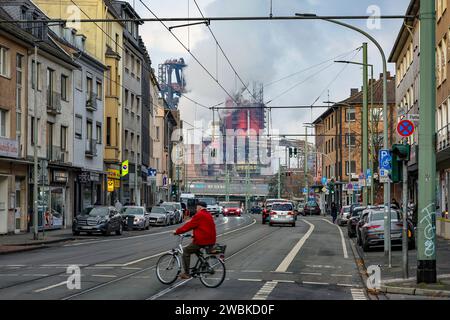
[
  {"x": 91, "y": 147},
  {"x": 55, "y": 154},
  {"x": 91, "y": 102},
  {"x": 443, "y": 138},
  {"x": 53, "y": 102}
]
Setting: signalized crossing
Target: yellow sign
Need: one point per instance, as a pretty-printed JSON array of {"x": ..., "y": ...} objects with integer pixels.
[
  {"x": 117, "y": 184},
  {"x": 124, "y": 168},
  {"x": 113, "y": 174},
  {"x": 110, "y": 185}
]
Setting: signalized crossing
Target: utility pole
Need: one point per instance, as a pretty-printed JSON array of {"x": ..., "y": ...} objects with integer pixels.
[
  {"x": 405, "y": 221},
  {"x": 247, "y": 173},
  {"x": 35, "y": 155},
  {"x": 306, "y": 164},
  {"x": 372, "y": 147},
  {"x": 279, "y": 178},
  {"x": 136, "y": 179},
  {"x": 426, "y": 224},
  {"x": 227, "y": 184},
  {"x": 349, "y": 161},
  {"x": 365, "y": 117}
]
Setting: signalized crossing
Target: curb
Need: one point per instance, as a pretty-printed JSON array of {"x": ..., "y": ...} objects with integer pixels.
[
  {"x": 40, "y": 242},
  {"x": 416, "y": 292},
  {"x": 362, "y": 271},
  {"x": 31, "y": 246},
  {"x": 24, "y": 249}
]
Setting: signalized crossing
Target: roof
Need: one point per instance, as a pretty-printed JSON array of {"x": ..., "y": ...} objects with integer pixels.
[
  {"x": 125, "y": 5},
  {"x": 413, "y": 9}
]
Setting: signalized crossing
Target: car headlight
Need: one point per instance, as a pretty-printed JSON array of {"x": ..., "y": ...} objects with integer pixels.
[{"x": 103, "y": 221}]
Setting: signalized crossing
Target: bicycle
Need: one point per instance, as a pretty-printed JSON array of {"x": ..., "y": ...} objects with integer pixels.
[{"x": 209, "y": 268}]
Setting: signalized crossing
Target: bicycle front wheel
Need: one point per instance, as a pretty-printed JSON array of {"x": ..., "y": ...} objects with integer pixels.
[
  {"x": 168, "y": 268},
  {"x": 214, "y": 272}
]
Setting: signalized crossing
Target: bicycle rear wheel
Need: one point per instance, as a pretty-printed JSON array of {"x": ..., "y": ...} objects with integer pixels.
[
  {"x": 213, "y": 272},
  {"x": 168, "y": 268}
]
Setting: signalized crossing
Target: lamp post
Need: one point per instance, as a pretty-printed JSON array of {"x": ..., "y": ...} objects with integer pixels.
[{"x": 387, "y": 187}]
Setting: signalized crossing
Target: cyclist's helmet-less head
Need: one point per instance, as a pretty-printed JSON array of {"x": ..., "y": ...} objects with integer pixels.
[{"x": 202, "y": 204}]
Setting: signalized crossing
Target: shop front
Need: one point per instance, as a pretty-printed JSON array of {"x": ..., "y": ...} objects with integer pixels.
[
  {"x": 88, "y": 190},
  {"x": 113, "y": 186}
]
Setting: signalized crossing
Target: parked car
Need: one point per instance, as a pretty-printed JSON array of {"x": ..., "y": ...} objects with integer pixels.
[
  {"x": 135, "y": 217},
  {"x": 343, "y": 216},
  {"x": 301, "y": 209},
  {"x": 372, "y": 230},
  {"x": 353, "y": 221},
  {"x": 282, "y": 213},
  {"x": 256, "y": 209},
  {"x": 178, "y": 210},
  {"x": 231, "y": 208},
  {"x": 171, "y": 210},
  {"x": 159, "y": 216},
  {"x": 103, "y": 219},
  {"x": 312, "y": 208}
]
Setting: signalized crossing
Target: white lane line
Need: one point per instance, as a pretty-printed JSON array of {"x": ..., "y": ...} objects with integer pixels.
[
  {"x": 104, "y": 275},
  {"x": 345, "y": 285},
  {"x": 311, "y": 273},
  {"x": 285, "y": 281},
  {"x": 160, "y": 294},
  {"x": 13, "y": 265},
  {"x": 35, "y": 275},
  {"x": 63, "y": 265},
  {"x": 358, "y": 294},
  {"x": 51, "y": 287},
  {"x": 131, "y": 268},
  {"x": 107, "y": 265},
  {"x": 344, "y": 247},
  {"x": 265, "y": 291},
  {"x": 9, "y": 275},
  {"x": 342, "y": 275},
  {"x": 250, "y": 280},
  {"x": 96, "y": 268},
  {"x": 318, "y": 283},
  {"x": 251, "y": 271},
  {"x": 284, "y": 265},
  {"x": 287, "y": 272},
  {"x": 322, "y": 266}
]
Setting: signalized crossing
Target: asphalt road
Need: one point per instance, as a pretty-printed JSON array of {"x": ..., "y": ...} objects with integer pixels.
[{"x": 311, "y": 261}]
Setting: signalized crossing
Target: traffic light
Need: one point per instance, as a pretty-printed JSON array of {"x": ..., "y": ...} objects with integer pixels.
[
  {"x": 290, "y": 152},
  {"x": 213, "y": 153},
  {"x": 174, "y": 189},
  {"x": 400, "y": 153},
  {"x": 295, "y": 152},
  {"x": 331, "y": 187}
]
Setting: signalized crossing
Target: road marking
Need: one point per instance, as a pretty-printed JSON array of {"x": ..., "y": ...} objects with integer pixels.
[
  {"x": 344, "y": 247},
  {"x": 341, "y": 275},
  {"x": 358, "y": 294},
  {"x": 9, "y": 275},
  {"x": 319, "y": 283},
  {"x": 107, "y": 265},
  {"x": 286, "y": 281},
  {"x": 131, "y": 268},
  {"x": 35, "y": 275},
  {"x": 143, "y": 259},
  {"x": 287, "y": 272},
  {"x": 251, "y": 280},
  {"x": 51, "y": 287},
  {"x": 160, "y": 294},
  {"x": 321, "y": 266},
  {"x": 291, "y": 255},
  {"x": 13, "y": 265},
  {"x": 104, "y": 275},
  {"x": 344, "y": 285},
  {"x": 265, "y": 291},
  {"x": 311, "y": 273},
  {"x": 63, "y": 265},
  {"x": 252, "y": 271}
]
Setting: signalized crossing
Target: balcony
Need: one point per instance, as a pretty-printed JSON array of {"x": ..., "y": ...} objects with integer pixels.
[
  {"x": 53, "y": 102},
  {"x": 91, "y": 148},
  {"x": 91, "y": 102},
  {"x": 55, "y": 154},
  {"x": 443, "y": 144}
]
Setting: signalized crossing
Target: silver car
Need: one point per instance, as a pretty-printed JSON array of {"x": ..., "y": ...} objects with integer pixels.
[
  {"x": 159, "y": 217},
  {"x": 178, "y": 210},
  {"x": 170, "y": 208},
  {"x": 344, "y": 216},
  {"x": 282, "y": 213},
  {"x": 135, "y": 217}
]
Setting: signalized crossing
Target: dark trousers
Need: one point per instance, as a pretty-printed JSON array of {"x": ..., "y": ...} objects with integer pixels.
[{"x": 190, "y": 249}]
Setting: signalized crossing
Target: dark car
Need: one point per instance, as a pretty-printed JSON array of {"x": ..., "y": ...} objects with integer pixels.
[
  {"x": 256, "y": 210},
  {"x": 312, "y": 208},
  {"x": 103, "y": 219},
  {"x": 135, "y": 217},
  {"x": 353, "y": 221}
]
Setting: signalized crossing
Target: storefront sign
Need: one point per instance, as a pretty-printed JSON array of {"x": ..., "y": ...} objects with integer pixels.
[
  {"x": 60, "y": 176},
  {"x": 9, "y": 148},
  {"x": 95, "y": 177},
  {"x": 113, "y": 174},
  {"x": 110, "y": 185},
  {"x": 116, "y": 184}
]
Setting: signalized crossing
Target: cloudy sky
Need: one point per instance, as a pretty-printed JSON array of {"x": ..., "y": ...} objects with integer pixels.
[{"x": 267, "y": 51}]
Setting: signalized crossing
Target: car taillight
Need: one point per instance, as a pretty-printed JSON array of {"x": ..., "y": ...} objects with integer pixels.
[
  {"x": 372, "y": 227},
  {"x": 290, "y": 213},
  {"x": 272, "y": 213}
]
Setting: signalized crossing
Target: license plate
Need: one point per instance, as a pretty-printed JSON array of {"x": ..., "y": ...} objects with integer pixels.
[{"x": 87, "y": 228}]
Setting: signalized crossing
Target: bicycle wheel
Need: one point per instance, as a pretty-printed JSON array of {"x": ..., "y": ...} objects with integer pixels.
[
  {"x": 213, "y": 272},
  {"x": 168, "y": 268}
]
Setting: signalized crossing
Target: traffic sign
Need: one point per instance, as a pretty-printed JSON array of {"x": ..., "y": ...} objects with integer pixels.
[
  {"x": 413, "y": 117},
  {"x": 405, "y": 128},
  {"x": 110, "y": 185},
  {"x": 324, "y": 181},
  {"x": 124, "y": 168},
  {"x": 368, "y": 173},
  {"x": 350, "y": 186},
  {"x": 305, "y": 191},
  {"x": 385, "y": 159},
  {"x": 324, "y": 189}
]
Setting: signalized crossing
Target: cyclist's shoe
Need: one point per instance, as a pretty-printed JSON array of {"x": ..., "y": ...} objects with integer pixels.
[{"x": 185, "y": 276}]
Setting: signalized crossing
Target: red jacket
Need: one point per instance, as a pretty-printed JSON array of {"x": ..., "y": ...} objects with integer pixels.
[{"x": 204, "y": 228}]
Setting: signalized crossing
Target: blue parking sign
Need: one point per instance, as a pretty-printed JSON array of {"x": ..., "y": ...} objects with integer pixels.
[{"x": 385, "y": 160}]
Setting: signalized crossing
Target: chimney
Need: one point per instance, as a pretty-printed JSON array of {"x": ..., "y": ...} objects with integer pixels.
[{"x": 353, "y": 91}]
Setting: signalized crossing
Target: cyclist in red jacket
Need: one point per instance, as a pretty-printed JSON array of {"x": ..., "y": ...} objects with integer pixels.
[{"x": 204, "y": 229}]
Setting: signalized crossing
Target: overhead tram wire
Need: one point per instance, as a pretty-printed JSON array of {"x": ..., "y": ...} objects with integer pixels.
[
  {"x": 120, "y": 46},
  {"x": 224, "y": 54},
  {"x": 192, "y": 55}
]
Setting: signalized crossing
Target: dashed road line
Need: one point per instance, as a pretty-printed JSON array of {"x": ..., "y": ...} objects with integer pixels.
[
  {"x": 345, "y": 285},
  {"x": 358, "y": 294},
  {"x": 318, "y": 283},
  {"x": 51, "y": 287},
  {"x": 342, "y": 275},
  {"x": 104, "y": 275},
  {"x": 310, "y": 273},
  {"x": 265, "y": 291},
  {"x": 251, "y": 280}
]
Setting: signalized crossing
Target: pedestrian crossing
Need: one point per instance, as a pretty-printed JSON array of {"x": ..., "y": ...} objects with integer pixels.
[
  {"x": 265, "y": 291},
  {"x": 358, "y": 294}
]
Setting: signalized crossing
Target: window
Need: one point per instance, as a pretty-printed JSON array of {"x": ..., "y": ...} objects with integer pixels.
[
  {"x": 18, "y": 123},
  {"x": 109, "y": 82},
  {"x": 117, "y": 132},
  {"x": 132, "y": 101},
  {"x": 350, "y": 140},
  {"x": 126, "y": 140},
  {"x": 138, "y": 101},
  {"x": 350, "y": 114},
  {"x": 132, "y": 65},
  {"x": 50, "y": 87},
  {"x": 99, "y": 90},
  {"x": 4, "y": 62},
  {"x": 88, "y": 129},
  {"x": 78, "y": 127},
  {"x": 127, "y": 61},
  {"x": 99, "y": 132},
  {"x": 138, "y": 70},
  {"x": 132, "y": 142},
  {"x": 108, "y": 131},
  {"x": 19, "y": 81},
  {"x": 353, "y": 167},
  {"x": 64, "y": 87},
  {"x": 3, "y": 122},
  {"x": 63, "y": 138},
  {"x": 157, "y": 133},
  {"x": 126, "y": 98},
  {"x": 89, "y": 86},
  {"x": 32, "y": 131},
  {"x": 33, "y": 75}
]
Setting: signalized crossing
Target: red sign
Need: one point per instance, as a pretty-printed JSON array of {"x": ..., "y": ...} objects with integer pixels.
[{"x": 405, "y": 128}]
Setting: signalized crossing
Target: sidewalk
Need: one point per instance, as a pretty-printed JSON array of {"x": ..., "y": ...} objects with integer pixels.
[
  {"x": 25, "y": 241},
  {"x": 392, "y": 278}
]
